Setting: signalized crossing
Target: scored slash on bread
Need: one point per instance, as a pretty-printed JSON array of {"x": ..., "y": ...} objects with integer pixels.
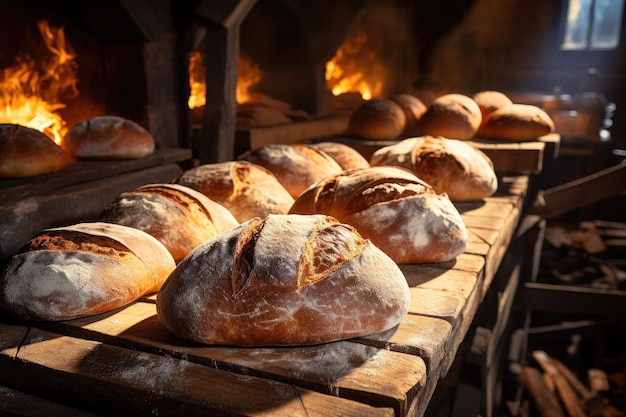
[
  {"x": 283, "y": 280},
  {"x": 400, "y": 213},
  {"x": 179, "y": 217}
]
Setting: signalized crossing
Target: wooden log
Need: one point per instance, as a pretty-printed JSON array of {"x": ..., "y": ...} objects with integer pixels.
[
  {"x": 572, "y": 379},
  {"x": 565, "y": 392},
  {"x": 598, "y": 380},
  {"x": 543, "y": 398}
]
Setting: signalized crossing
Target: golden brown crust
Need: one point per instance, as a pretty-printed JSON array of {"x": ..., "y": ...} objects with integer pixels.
[
  {"x": 517, "y": 122},
  {"x": 108, "y": 137},
  {"x": 413, "y": 109},
  {"x": 295, "y": 166},
  {"x": 283, "y": 280},
  {"x": 26, "y": 152},
  {"x": 81, "y": 270},
  {"x": 450, "y": 166},
  {"x": 454, "y": 116},
  {"x": 401, "y": 214},
  {"x": 490, "y": 100},
  {"x": 179, "y": 217},
  {"x": 247, "y": 190},
  {"x": 377, "y": 119},
  {"x": 346, "y": 156}
]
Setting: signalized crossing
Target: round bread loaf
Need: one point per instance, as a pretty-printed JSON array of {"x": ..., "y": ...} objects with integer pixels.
[
  {"x": 81, "y": 270},
  {"x": 295, "y": 166},
  {"x": 377, "y": 119},
  {"x": 180, "y": 217},
  {"x": 247, "y": 190},
  {"x": 413, "y": 109},
  {"x": 450, "y": 166},
  {"x": 108, "y": 137},
  {"x": 284, "y": 280},
  {"x": 26, "y": 152},
  {"x": 346, "y": 156},
  {"x": 398, "y": 212},
  {"x": 454, "y": 116},
  {"x": 517, "y": 122},
  {"x": 489, "y": 101}
]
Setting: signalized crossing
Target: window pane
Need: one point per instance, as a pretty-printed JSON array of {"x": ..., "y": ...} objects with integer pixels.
[
  {"x": 578, "y": 19},
  {"x": 607, "y": 18}
]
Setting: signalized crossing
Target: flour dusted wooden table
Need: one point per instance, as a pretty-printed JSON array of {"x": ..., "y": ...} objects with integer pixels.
[{"x": 126, "y": 363}]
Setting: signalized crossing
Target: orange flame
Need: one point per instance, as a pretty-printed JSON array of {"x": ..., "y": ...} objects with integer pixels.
[
  {"x": 248, "y": 75},
  {"x": 197, "y": 84},
  {"x": 30, "y": 91},
  {"x": 355, "y": 68}
]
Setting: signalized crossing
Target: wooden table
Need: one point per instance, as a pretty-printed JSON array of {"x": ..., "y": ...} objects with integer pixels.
[{"x": 125, "y": 362}]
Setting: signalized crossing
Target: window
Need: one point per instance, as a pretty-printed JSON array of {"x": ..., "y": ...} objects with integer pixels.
[{"x": 593, "y": 24}]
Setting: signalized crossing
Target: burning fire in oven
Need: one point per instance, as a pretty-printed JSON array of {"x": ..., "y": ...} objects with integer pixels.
[
  {"x": 31, "y": 90},
  {"x": 356, "y": 68},
  {"x": 248, "y": 75}
]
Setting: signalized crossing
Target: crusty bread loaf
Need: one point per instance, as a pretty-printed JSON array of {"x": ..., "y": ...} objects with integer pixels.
[
  {"x": 450, "y": 166},
  {"x": 247, "y": 190},
  {"x": 180, "y": 217},
  {"x": 413, "y": 109},
  {"x": 346, "y": 156},
  {"x": 26, "y": 152},
  {"x": 295, "y": 166},
  {"x": 283, "y": 280},
  {"x": 454, "y": 116},
  {"x": 377, "y": 119},
  {"x": 81, "y": 270},
  {"x": 398, "y": 212},
  {"x": 108, "y": 137},
  {"x": 517, "y": 122},
  {"x": 490, "y": 100}
]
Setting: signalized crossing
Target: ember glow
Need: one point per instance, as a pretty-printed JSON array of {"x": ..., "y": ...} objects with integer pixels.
[
  {"x": 248, "y": 75},
  {"x": 30, "y": 91},
  {"x": 355, "y": 68}
]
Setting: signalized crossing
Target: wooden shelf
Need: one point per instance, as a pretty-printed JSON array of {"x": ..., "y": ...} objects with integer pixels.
[{"x": 127, "y": 362}]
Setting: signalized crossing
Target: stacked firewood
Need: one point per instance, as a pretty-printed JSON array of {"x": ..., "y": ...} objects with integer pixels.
[
  {"x": 592, "y": 254},
  {"x": 556, "y": 391}
]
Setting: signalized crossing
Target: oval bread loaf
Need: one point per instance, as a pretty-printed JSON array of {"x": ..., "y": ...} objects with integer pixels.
[
  {"x": 489, "y": 101},
  {"x": 398, "y": 212},
  {"x": 295, "y": 166},
  {"x": 180, "y": 217},
  {"x": 81, "y": 270},
  {"x": 377, "y": 119},
  {"x": 108, "y": 137},
  {"x": 517, "y": 122},
  {"x": 26, "y": 152},
  {"x": 247, "y": 190},
  {"x": 454, "y": 116},
  {"x": 450, "y": 166},
  {"x": 346, "y": 156},
  {"x": 283, "y": 280}
]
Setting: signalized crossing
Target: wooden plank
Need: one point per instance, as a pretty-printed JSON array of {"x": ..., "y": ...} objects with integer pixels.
[
  {"x": 513, "y": 157},
  {"x": 113, "y": 380},
  {"x": 18, "y": 404},
  {"x": 595, "y": 188},
  {"x": 81, "y": 172},
  {"x": 344, "y": 367},
  {"x": 86, "y": 201},
  {"x": 293, "y": 132},
  {"x": 572, "y": 299}
]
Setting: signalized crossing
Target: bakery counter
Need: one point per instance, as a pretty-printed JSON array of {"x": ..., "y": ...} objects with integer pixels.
[{"x": 126, "y": 363}]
